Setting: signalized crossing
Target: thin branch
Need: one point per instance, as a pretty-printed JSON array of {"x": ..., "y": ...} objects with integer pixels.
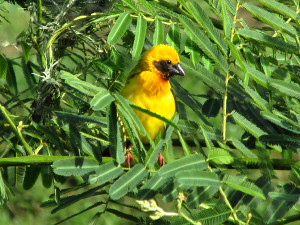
[{"x": 16, "y": 130}]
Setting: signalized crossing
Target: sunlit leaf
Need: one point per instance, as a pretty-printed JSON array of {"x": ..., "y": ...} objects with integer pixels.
[
  {"x": 119, "y": 28},
  {"x": 128, "y": 181}
]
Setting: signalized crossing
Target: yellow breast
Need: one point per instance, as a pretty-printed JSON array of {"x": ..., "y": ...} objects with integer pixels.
[{"x": 149, "y": 91}]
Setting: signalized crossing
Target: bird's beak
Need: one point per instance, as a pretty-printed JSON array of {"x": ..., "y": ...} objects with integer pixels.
[{"x": 176, "y": 69}]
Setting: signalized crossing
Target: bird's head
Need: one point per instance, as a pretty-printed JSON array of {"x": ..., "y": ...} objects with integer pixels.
[{"x": 164, "y": 60}]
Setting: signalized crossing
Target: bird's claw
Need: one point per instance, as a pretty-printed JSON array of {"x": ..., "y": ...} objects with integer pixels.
[
  {"x": 129, "y": 159},
  {"x": 161, "y": 160}
]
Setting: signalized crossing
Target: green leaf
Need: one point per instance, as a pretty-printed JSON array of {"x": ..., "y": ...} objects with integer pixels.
[
  {"x": 3, "y": 66},
  {"x": 279, "y": 207},
  {"x": 102, "y": 99},
  {"x": 128, "y": 181},
  {"x": 114, "y": 135},
  {"x": 80, "y": 85},
  {"x": 187, "y": 151},
  {"x": 139, "y": 38},
  {"x": 69, "y": 200},
  {"x": 241, "y": 184},
  {"x": 284, "y": 196},
  {"x": 152, "y": 187},
  {"x": 270, "y": 19},
  {"x": 162, "y": 8},
  {"x": 280, "y": 7},
  {"x": 260, "y": 102},
  {"x": 132, "y": 133},
  {"x": 3, "y": 196},
  {"x": 281, "y": 122},
  {"x": 208, "y": 77},
  {"x": 71, "y": 117},
  {"x": 26, "y": 50},
  {"x": 31, "y": 176},
  {"x": 237, "y": 54},
  {"x": 240, "y": 146},
  {"x": 226, "y": 19},
  {"x": 211, "y": 107},
  {"x": 185, "y": 163},
  {"x": 266, "y": 40},
  {"x": 119, "y": 29},
  {"x": 196, "y": 177},
  {"x": 174, "y": 37},
  {"x": 131, "y": 4},
  {"x": 281, "y": 139},
  {"x": 288, "y": 88},
  {"x": 106, "y": 172},
  {"x": 158, "y": 36},
  {"x": 204, "y": 43},
  {"x": 76, "y": 167},
  {"x": 126, "y": 106},
  {"x": 258, "y": 76},
  {"x": 123, "y": 215},
  {"x": 200, "y": 194},
  {"x": 220, "y": 156},
  {"x": 204, "y": 21},
  {"x": 211, "y": 216},
  {"x": 247, "y": 125}
]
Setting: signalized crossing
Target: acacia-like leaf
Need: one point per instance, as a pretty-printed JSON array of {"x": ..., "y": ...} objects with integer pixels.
[
  {"x": 106, "y": 172},
  {"x": 114, "y": 135},
  {"x": 281, "y": 8},
  {"x": 196, "y": 177},
  {"x": 102, "y": 99},
  {"x": 119, "y": 28},
  {"x": 3, "y": 66},
  {"x": 270, "y": 19},
  {"x": 220, "y": 156},
  {"x": 272, "y": 42},
  {"x": 288, "y": 88},
  {"x": 240, "y": 146},
  {"x": 139, "y": 38},
  {"x": 247, "y": 125},
  {"x": 76, "y": 167},
  {"x": 152, "y": 187},
  {"x": 241, "y": 184},
  {"x": 158, "y": 36},
  {"x": 128, "y": 181},
  {"x": 281, "y": 139},
  {"x": 203, "y": 20},
  {"x": 174, "y": 37},
  {"x": 280, "y": 122},
  {"x": 200, "y": 194},
  {"x": 195, "y": 161},
  {"x": 204, "y": 43}
]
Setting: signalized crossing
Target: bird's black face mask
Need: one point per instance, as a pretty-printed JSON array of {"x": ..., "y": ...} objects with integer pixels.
[{"x": 168, "y": 69}]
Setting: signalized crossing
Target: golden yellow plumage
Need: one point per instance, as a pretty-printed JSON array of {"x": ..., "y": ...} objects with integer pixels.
[{"x": 148, "y": 86}]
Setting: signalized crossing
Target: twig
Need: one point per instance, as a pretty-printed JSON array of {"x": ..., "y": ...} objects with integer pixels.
[{"x": 16, "y": 130}]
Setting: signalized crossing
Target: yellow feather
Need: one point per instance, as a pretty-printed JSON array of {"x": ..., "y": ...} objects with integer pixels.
[{"x": 147, "y": 88}]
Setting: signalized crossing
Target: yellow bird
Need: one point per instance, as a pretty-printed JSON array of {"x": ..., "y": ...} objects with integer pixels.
[{"x": 148, "y": 86}]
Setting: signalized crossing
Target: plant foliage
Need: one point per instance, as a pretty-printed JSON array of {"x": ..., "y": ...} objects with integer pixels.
[{"x": 62, "y": 116}]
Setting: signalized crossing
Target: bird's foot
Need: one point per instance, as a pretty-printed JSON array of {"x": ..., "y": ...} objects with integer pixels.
[
  {"x": 161, "y": 160},
  {"x": 129, "y": 159}
]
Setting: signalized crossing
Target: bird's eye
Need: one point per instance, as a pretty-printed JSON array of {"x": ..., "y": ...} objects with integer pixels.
[{"x": 168, "y": 62}]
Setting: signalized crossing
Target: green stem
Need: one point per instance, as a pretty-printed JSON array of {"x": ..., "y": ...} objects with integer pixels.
[
  {"x": 40, "y": 32},
  {"x": 42, "y": 160},
  {"x": 179, "y": 205},
  {"x": 16, "y": 131}
]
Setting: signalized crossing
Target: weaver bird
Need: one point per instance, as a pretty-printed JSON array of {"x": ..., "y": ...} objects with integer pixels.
[{"x": 148, "y": 87}]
